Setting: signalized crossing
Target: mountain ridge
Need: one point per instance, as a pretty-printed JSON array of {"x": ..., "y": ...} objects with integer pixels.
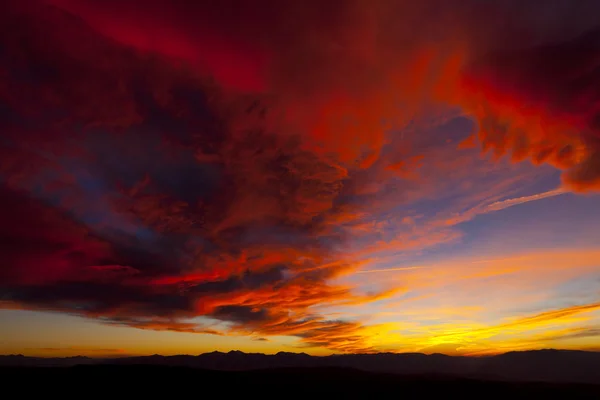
[{"x": 548, "y": 365}]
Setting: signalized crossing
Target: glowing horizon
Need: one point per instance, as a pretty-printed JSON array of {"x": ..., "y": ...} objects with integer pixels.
[{"x": 364, "y": 176}]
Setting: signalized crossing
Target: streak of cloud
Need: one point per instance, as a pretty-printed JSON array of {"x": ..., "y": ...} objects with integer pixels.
[
  {"x": 502, "y": 204},
  {"x": 369, "y": 271},
  {"x": 477, "y": 339}
]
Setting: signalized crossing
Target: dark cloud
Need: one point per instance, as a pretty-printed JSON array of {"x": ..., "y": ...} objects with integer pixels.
[
  {"x": 186, "y": 159},
  {"x": 248, "y": 281},
  {"x": 558, "y": 83},
  {"x": 241, "y": 314},
  {"x": 578, "y": 334},
  {"x": 40, "y": 243}
]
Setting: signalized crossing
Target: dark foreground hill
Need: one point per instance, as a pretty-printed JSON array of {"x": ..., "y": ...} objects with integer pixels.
[
  {"x": 343, "y": 383},
  {"x": 556, "y": 366}
]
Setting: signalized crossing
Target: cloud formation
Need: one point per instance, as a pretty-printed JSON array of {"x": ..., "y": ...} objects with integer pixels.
[
  {"x": 230, "y": 160},
  {"x": 536, "y": 104}
]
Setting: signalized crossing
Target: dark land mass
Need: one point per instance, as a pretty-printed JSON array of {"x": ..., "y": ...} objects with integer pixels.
[
  {"x": 320, "y": 382},
  {"x": 527, "y": 374}
]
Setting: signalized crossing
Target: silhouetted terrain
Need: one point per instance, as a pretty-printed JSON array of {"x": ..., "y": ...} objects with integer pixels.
[
  {"x": 283, "y": 383},
  {"x": 556, "y": 366}
]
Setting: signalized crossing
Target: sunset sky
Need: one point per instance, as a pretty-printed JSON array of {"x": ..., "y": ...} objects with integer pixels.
[{"x": 302, "y": 176}]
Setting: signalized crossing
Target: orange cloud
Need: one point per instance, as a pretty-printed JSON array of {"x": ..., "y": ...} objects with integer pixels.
[
  {"x": 470, "y": 338},
  {"x": 180, "y": 161}
]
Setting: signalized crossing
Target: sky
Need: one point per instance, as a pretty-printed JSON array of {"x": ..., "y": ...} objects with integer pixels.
[{"x": 344, "y": 176}]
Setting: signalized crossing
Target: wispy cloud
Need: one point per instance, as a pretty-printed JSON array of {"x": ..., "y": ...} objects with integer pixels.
[
  {"x": 370, "y": 271},
  {"x": 470, "y": 338},
  {"x": 501, "y": 205}
]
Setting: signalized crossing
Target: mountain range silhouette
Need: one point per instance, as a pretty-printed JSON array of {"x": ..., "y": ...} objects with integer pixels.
[{"x": 558, "y": 366}]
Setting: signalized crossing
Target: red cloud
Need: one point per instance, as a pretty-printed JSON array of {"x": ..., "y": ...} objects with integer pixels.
[
  {"x": 211, "y": 216},
  {"x": 542, "y": 103},
  {"x": 188, "y": 31},
  {"x": 40, "y": 245},
  {"x": 179, "y": 159}
]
